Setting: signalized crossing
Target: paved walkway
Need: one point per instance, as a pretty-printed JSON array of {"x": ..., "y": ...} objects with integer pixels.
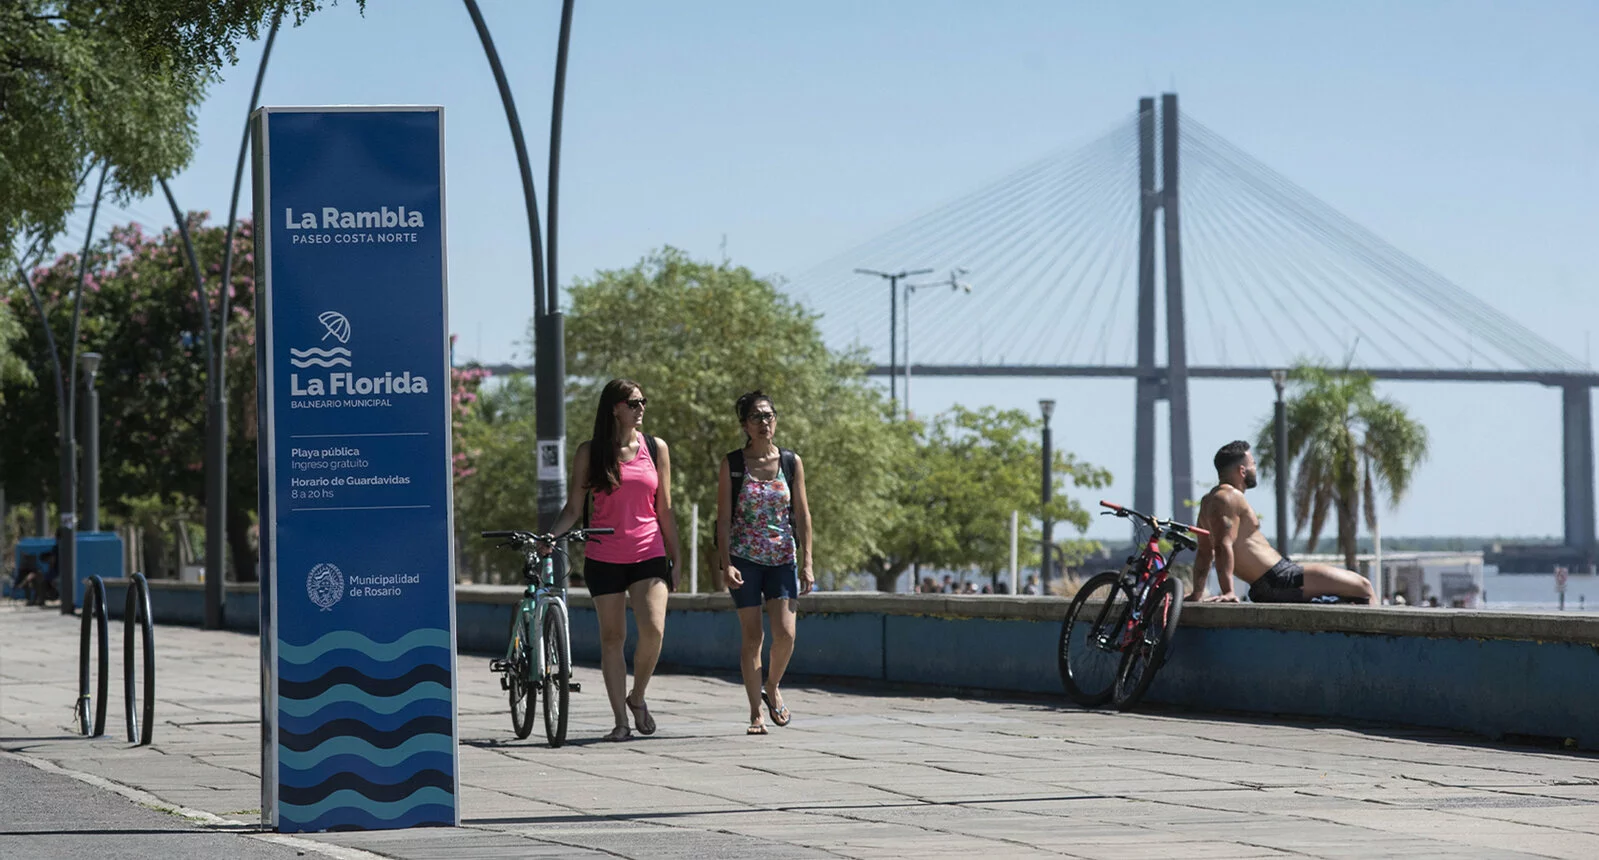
[{"x": 859, "y": 773}]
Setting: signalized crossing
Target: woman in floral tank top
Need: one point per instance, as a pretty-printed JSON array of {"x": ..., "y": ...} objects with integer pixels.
[{"x": 764, "y": 542}]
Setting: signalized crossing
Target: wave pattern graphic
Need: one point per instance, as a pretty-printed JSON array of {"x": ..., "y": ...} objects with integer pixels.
[
  {"x": 365, "y": 735},
  {"x": 423, "y": 815},
  {"x": 373, "y": 666},
  {"x": 354, "y": 677},
  {"x": 375, "y": 704},
  {"x": 351, "y": 729},
  {"x": 345, "y": 797},
  {"x": 336, "y": 711},
  {"x": 350, "y": 640},
  {"x": 338, "y": 765},
  {"x": 335, "y": 357},
  {"x": 376, "y": 792}
]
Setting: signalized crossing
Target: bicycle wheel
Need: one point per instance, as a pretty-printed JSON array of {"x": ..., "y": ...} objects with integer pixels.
[
  {"x": 1091, "y": 639},
  {"x": 519, "y": 675},
  {"x": 1148, "y": 651},
  {"x": 557, "y": 672}
]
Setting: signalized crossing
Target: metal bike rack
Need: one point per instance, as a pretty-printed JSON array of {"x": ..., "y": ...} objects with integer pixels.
[
  {"x": 93, "y": 615},
  {"x": 136, "y": 613}
]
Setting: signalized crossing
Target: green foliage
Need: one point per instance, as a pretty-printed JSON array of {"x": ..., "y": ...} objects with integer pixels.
[
  {"x": 496, "y": 473},
  {"x": 83, "y": 81},
  {"x": 1344, "y": 445},
  {"x": 141, "y": 314},
  {"x": 695, "y": 336},
  {"x": 13, "y": 370},
  {"x": 970, "y": 470}
]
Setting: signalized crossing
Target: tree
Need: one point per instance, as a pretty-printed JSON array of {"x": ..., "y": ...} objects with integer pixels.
[
  {"x": 694, "y": 336},
  {"x": 118, "y": 81},
  {"x": 1344, "y": 444},
  {"x": 968, "y": 472},
  {"x": 12, "y": 368},
  {"x": 496, "y": 468},
  {"x": 141, "y": 313}
]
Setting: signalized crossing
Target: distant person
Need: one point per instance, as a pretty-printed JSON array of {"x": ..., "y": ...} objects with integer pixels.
[
  {"x": 1032, "y": 585},
  {"x": 1237, "y": 546},
  {"x": 37, "y": 577},
  {"x": 949, "y": 584},
  {"x": 763, "y": 523},
  {"x": 927, "y": 586},
  {"x": 628, "y": 475},
  {"x": 1002, "y": 588}
]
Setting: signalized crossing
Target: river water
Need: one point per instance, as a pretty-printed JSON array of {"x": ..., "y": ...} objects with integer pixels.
[{"x": 1535, "y": 592}]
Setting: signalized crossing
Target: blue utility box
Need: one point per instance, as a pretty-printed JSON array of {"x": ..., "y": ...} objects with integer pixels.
[{"x": 99, "y": 554}]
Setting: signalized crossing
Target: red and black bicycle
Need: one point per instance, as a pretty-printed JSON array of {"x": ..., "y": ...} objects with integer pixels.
[{"x": 1120, "y": 625}]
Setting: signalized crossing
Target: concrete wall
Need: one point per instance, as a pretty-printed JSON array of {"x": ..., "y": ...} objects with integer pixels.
[{"x": 1494, "y": 674}]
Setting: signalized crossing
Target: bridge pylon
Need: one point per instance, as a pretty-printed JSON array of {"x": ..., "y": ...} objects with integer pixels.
[{"x": 1169, "y": 383}]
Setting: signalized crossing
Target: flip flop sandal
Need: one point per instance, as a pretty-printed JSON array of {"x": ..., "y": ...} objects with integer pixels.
[
  {"x": 756, "y": 729},
  {"x": 641, "y": 717},
  {"x": 780, "y": 714},
  {"x": 620, "y": 733}
]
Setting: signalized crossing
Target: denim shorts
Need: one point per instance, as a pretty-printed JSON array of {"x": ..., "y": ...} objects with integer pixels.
[{"x": 764, "y": 582}]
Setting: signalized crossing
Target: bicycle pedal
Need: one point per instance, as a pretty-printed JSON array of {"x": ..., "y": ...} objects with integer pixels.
[
  {"x": 498, "y": 665},
  {"x": 574, "y": 686},
  {"x": 505, "y": 682}
]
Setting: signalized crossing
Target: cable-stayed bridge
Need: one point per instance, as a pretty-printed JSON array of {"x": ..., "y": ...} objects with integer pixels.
[{"x": 1095, "y": 261}]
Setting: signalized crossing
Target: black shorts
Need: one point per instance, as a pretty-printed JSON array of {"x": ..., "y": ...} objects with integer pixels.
[
  {"x": 1284, "y": 583},
  {"x": 604, "y": 577}
]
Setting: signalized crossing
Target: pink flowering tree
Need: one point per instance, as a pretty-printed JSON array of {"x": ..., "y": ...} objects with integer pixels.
[{"x": 140, "y": 312}]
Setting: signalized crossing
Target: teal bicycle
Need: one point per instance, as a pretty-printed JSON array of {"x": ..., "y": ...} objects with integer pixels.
[{"x": 538, "y": 656}]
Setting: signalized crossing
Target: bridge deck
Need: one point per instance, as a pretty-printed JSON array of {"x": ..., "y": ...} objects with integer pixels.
[{"x": 860, "y": 773}]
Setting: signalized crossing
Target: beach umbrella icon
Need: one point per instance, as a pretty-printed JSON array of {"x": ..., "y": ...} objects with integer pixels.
[{"x": 338, "y": 327}]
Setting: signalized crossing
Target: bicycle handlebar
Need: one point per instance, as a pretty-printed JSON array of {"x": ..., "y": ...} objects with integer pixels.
[
  {"x": 1158, "y": 524},
  {"x": 525, "y": 537}
]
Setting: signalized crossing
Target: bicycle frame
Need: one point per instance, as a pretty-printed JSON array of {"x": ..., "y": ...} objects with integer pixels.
[
  {"x": 537, "y": 598},
  {"x": 1142, "y": 575}
]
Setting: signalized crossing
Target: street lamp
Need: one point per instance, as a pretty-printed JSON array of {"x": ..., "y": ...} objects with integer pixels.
[
  {"x": 955, "y": 284},
  {"x": 1279, "y": 378},
  {"x": 893, "y": 279},
  {"x": 1047, "y": 407},
  {"x": 91, "y": 435}
]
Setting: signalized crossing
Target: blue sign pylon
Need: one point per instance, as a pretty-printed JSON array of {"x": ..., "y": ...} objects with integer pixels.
[{"x": 357, "y": 562}]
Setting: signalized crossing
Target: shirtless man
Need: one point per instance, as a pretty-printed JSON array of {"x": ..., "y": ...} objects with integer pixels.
[{"x": 1237, "y": 546}]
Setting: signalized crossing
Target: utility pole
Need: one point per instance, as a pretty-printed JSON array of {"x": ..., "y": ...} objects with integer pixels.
[{"x": 893, "y": 279}]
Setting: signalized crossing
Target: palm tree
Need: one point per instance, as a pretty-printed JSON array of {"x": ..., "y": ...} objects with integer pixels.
[{"x": 1344, "y": 444}]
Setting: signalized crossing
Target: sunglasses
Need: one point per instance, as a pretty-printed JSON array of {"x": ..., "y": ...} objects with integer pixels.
[
  {"x": 638, "y": 403},
  {"x": 763, "y": 417}
]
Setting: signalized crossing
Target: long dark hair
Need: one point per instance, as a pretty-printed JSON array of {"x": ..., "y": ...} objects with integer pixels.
[
  {"x": 746, "y": 405},
  {"x": 605, "y": 471}
]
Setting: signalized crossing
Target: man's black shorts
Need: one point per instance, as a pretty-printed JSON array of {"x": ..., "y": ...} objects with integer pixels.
[{"x": 1284, "y": 583}]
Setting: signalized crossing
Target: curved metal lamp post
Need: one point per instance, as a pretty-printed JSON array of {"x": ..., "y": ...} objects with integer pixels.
[
  {"x": 212, "y": 473},
  {"x": 548, "y": 322},
  {"x": 549, "y": 327},
  {"x": 216, "y": 437},
  {"x": 66, "y": 530}
]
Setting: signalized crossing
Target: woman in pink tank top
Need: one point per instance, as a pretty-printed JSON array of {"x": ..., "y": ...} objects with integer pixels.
[{"x": 626, "y": 476}]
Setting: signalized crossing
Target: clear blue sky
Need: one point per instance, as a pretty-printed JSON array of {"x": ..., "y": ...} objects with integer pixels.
[{"x": 1463, "y": 132}]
